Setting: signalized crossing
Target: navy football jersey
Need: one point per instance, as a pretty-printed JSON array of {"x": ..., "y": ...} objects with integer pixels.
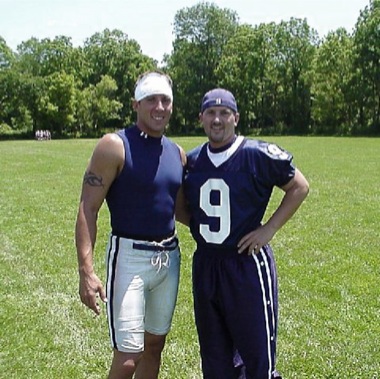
[{"x": 228, "y": 192}]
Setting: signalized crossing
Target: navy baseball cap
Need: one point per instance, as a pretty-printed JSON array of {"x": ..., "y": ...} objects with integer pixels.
[{"x": 219, "y": 97}]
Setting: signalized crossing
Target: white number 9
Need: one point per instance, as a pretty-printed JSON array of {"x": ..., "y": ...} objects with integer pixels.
[{"x": 222, "y": 210}]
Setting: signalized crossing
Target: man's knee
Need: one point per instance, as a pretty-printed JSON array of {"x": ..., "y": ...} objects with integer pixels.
[
  {"x": 154, "y": 344},
  {"x": 124, "y": 364}
]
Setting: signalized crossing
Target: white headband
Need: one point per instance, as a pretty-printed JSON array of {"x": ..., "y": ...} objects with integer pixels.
[{"x": 153, "y": 83}]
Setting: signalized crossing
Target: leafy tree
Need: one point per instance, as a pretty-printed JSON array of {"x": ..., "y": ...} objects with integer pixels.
[
  {"x": 201, "y": 34},
  {"x": 18, "y": 97},
  {"x": 9, "y": 96},
  {"x": 111, "y": 53},
  {"x": 37, "y": 65},
  {"x": 45, "y": 57},
  {"x": 332, "y": 90},
  {"x": 7, "y": 56},
  {"x": 57, "y": 103},
  {"x": 247, "y": 69},
  {"x": 295, "y": 44},
  {"x": 96, "y": 106},
  {"x": 367, "y": 68}
]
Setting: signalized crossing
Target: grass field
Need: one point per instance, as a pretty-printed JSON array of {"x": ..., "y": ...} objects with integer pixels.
[{"x": 328, "y": 260}]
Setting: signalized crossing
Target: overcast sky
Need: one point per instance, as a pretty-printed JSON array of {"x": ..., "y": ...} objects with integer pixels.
[{"x": 150, "y": 22}]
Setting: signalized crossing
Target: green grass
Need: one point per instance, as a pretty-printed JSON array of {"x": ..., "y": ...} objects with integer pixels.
[{"x": 328, "y": 261}]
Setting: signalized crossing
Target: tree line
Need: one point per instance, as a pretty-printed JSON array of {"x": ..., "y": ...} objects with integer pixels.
[{"x": 286, "y": 79}]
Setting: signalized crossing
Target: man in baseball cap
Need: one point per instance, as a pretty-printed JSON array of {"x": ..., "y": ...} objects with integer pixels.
[
  {"x": 219, "y": 117},
  {"x": 219, "y": 97},
  {"x": 228, "y": 185}
]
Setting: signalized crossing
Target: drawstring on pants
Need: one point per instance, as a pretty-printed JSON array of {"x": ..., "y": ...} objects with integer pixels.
[{"x": 160, "y": 259}]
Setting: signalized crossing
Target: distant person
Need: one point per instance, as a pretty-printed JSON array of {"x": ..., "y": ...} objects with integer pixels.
[
  {"x": 228, "y": 185},
  {"x": 138, "y": 171}
]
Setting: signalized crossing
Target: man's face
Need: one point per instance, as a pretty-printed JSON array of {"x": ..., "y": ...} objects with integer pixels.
[
  {"x": 219, "y": 124},
  {"x": 153, "y": 114}
]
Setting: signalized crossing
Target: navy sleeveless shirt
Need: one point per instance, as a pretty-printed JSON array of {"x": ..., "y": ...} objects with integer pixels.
[{"x": 141, "y": 200}]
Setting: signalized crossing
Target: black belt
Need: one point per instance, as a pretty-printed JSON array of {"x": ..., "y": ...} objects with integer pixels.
[
  {"x": 143, "y": 238},
  {"x": 166, "y": 246}
]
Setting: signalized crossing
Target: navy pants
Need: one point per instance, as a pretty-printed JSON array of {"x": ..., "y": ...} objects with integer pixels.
[{"x": 236, "y": 304}]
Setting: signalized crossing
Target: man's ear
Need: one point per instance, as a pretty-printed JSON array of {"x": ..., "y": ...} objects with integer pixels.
[{"x": 236, "y": 118}]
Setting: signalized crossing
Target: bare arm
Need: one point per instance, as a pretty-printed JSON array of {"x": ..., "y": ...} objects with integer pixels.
[
  {"x": 182, "y": 213},
  {"x": 295, "y": 193},
  {"x": 104, "y": 166}
]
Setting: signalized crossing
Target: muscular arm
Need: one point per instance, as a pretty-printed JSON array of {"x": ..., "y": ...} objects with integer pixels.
[
  {"x": 295, "y": 193},
  {"x": 103, "y": 168}
]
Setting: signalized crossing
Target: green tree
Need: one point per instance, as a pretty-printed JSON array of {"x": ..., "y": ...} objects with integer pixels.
[
  {"x": 97, "y": 106},
  {"x": 367, "y": 68},
  {"x": 44, "y": 68},
  {"x": 7, "y": 56},
  {"x": 247, "y": 68},
  {"x": 10, "y": 99},
  {"x": 295, "y": 45},
  {"x": 201, "y": 34},
  {"x": 45, "y": 57},
  {"x": 113, "y": 54},
  {"x": 331, "y": 109},
  {"x": 57, "y": 103},
  {"x": 19, "y": 94}
]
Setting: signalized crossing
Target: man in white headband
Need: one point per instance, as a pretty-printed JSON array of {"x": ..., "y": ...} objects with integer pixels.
[
  {"x": 138, "y": 171},
  {"x": 153, "y": 83},
  {"x": 153, "y": 103}
]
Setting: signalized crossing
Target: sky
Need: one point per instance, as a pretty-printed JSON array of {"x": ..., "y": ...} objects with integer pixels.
[{"x": 150, "y": 22}]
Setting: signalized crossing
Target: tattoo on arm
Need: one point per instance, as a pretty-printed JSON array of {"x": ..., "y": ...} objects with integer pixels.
[{"x": 92, "y": 180}]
